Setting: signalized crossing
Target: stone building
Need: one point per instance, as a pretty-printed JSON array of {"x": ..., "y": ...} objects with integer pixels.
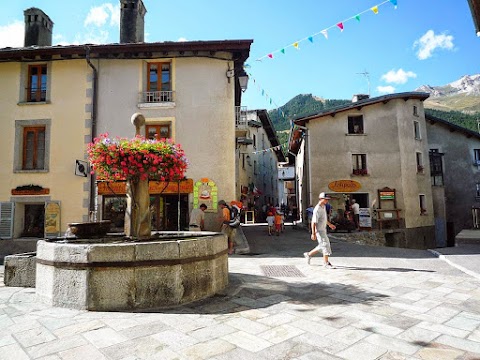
[{"x": 374, "y": 150}]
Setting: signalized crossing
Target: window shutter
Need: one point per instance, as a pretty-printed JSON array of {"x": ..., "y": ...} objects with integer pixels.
[{"x": 6, "y": 220}]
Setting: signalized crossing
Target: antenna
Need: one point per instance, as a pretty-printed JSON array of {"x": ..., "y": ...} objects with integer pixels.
[{"x": 367, "y": 76}]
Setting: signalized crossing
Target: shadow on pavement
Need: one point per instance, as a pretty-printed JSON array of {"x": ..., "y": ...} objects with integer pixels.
[
  {"x": 246, "y": 291},
  {"x": 382, "y": 269}
]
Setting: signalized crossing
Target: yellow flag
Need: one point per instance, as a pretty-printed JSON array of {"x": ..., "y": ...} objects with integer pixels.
[
  {"x": 295, "y": 45},
  {"x": 375, "y": 9}
]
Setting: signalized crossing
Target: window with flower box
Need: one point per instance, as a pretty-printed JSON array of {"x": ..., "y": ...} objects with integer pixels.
[
  {"x": 359, "y": 162},
  {"x": 420, "y": 167},
  {"x": 159, "y": 83}
]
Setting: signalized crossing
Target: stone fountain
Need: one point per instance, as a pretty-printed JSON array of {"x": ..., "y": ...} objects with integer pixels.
[{"x": 112, "y": 273}]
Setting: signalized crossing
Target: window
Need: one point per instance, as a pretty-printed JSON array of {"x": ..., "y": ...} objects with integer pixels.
[
  {"x": 355, "y": 124},
  {"x": 255, "y": 167},
  {"x": 359, "y": 162},
  {"x": 37, "y": 83},
  {"x": 254, "y": 141},
  {"x": 436, "y": 167},
  {"x": 161, "y": 131},
  {"x": 33, "y": 148},
  {"x": 416, "y": 130},
  {"x": 476, "y": 157},
  {"x": 422, "y": 203},
  {"x": 32, "y": 139},
  {"x": 419, "y": 157},
  {"x": 159, "y": 82},
  {"x": 415, "y": 110}
]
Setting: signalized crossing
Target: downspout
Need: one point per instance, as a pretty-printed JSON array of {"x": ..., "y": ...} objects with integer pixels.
[{"x": 93, "y": 117}]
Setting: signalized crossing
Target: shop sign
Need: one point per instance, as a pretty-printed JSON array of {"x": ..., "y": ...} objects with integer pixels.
[
  {"x": 154, "y": 187},
  {"x": 344, "y": 186},
  {"x": 205, "y": 192},
  {"x": 52, "y": 219},
  {"x": 387, "y": 195}
]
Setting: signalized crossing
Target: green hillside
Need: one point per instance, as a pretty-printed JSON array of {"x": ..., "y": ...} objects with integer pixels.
[
  {"x": 306, "y": 104},
  {"x": 301, "y": 105}
]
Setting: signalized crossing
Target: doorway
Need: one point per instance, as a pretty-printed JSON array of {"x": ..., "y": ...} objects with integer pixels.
[
  {"x": 165, "y": 212},
  {"x": 34, "y": 224}
]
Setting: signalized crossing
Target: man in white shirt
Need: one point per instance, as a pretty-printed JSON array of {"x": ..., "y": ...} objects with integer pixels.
[
  {"x": 356, "y": 214},
  {"x": 197, "y": 218},
  {"x": 319, "y": 231}
]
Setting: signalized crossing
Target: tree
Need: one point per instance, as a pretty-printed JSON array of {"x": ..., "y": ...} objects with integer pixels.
[{"x": 136, "y": 161}]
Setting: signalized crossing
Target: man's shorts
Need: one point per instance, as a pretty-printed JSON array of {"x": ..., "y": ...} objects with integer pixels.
[{"x": 323, "y": 243}]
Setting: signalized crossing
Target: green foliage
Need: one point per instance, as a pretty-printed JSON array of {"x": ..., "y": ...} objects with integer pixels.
[
  {"x": 301, "y": 105},
  {"x": 468, "y": 121}
]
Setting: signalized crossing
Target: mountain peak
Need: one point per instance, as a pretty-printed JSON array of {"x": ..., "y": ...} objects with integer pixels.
[{"x": 466, "y": 85}]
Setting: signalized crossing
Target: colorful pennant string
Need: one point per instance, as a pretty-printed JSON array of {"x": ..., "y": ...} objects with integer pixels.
[
  {"x": 340, "y": 25},
  {"x": 275, "y": 148}
]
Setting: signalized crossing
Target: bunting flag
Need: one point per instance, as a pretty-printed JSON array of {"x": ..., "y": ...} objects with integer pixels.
[
  {"x": 340, "y": 25},
  {"x": 275, "y": 148}
]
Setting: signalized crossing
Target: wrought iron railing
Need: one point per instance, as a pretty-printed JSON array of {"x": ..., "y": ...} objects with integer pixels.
[
  {"x": 157, "y": 96},
  {"x": 240, "y": 116}
]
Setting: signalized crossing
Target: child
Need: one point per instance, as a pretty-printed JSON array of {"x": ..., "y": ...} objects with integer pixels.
[
  {"x": 278, "y": 222},
  {"x": 270, "y": 222}
]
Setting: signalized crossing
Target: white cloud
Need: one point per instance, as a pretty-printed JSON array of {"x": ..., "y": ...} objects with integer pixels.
[
  {"x": 429, "y": 42},
  {"x": 99, "y": 15},
  {"x": 385, "y": 89},
  {"x": 182, "y": 39},
  {"x": 398, "y": 77},
  {"x": 12, "y": 35}
]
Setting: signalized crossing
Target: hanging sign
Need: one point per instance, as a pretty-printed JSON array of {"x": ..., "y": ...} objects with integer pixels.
[
  {"x": 344, "y": 186},
  {"x": 387, "y": 195}
]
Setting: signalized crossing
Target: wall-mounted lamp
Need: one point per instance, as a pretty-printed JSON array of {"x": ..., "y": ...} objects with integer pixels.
[{"x": 242, "y": 78}]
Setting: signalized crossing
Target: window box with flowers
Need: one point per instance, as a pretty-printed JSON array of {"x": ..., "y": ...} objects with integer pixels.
[
  {"x": 360, "y": 172},
  {"x": 420, "y": 168},
  {"x": 137, "y": 161},
  {"x": 423, "y": 211}
]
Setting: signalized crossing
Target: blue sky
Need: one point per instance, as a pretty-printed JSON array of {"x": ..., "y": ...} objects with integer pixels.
[{"x": 421, "y": 42}]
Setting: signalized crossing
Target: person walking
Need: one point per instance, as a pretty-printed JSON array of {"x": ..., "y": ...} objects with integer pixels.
[
  {"x": 309, "y": 212},
  {"x": 197, "y": 218},
  {"x": 271, "y": 223},
  {"x": 319, "y": 231},
  {"x": 226, "y": 228}
]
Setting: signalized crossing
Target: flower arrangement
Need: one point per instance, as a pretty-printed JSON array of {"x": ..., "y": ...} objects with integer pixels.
[{"x": 136, "y": 159}]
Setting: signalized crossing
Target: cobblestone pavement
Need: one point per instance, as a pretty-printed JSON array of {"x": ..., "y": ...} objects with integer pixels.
[{"x": 377, "y": 303}]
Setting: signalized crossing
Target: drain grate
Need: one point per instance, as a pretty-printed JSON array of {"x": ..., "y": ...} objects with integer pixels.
[{"x": 281, "y": 271}]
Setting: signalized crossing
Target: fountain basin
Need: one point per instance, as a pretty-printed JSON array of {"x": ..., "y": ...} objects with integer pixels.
[
  {"x": 90, "y": 230},
  {"x": 123, "y": 275}
]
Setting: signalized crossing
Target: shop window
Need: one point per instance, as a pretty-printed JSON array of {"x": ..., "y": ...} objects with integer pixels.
[
  {"x": 32, "y": 144},
  {"x": 161, "y": 131},
  {"x": 416, "y": 130},
  {"x": 355, "y": 124},
  {"x": 359, "y": 162}
]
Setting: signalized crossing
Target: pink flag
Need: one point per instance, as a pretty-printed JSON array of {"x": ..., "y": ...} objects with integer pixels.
[{"x": 340, "y": 25}]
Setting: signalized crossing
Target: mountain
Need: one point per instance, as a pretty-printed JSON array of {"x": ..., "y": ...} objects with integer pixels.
[
  {"x": 301, "y": 105},
  {"x": 461, "y": 95}
]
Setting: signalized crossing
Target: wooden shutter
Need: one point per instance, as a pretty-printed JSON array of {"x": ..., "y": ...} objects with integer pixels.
[{"x": 6, "y": 220}]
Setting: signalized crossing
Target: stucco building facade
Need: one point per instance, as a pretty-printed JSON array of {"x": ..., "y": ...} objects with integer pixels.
[{"x": 56, "y": 99}]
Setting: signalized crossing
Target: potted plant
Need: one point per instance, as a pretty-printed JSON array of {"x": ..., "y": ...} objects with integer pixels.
[{"x": 136, "y": 161}]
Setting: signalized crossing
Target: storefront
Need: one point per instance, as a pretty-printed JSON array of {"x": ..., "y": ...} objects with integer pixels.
[{"x": 168, "y": 204}]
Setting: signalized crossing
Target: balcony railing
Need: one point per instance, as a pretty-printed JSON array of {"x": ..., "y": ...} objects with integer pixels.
[
  {"x": 152, "y": 97},
  {"x": 36, "y": 94},
  {"x": 240, "y": 117}
]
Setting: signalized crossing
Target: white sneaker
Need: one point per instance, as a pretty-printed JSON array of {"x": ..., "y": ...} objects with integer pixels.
[
  {"x": 307, "y": 257},
  {"x": 328, "y": 265}
]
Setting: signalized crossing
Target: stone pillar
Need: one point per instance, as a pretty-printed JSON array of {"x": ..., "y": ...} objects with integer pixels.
[{"x": 138, "y": 223}]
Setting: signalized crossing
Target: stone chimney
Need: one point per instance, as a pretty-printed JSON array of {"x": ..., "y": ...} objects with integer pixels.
[
  {"x": 132, "y": 23},
  {"x": 359, "y": 97},
  {"x": 38, "y": 28}
]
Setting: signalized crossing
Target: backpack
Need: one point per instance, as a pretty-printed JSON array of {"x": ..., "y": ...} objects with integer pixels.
[{"x": 234, "y": 216}]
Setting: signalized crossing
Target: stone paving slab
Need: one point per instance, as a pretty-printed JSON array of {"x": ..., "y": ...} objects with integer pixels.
[{"x": 379, "y": 303}]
